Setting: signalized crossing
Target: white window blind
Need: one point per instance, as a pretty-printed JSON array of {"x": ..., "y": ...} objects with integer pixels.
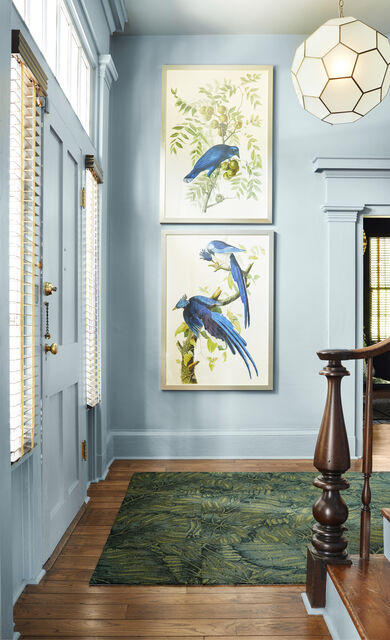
[
  {"x": 24, "y": 256},
  {"x": 379, "y": 288},
  {"x": 53, "y": 30},
  {"x": 92, "y": 281}
]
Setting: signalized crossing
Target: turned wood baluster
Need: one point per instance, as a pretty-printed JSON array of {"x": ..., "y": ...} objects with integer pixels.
[
  {"x": 332, "y": 459},
  {"x": 365, "y": 517}
]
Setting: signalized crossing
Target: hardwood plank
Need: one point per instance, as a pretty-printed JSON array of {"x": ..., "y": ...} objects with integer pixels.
[
  {"x": 99, "y": 517},
  {"x": 24, "y": 637},
  {"x": 92, "y": 531},
  {"x": 104, "y": 503},
  {"x": 69, "y": 611},
  {"x": 221, "y": 611},
  {"x": 364, "y": 590},
  {"x": 308, "y": 627},
  {"x": 163, "y": 598},
  {"x": 263, "y": 637},
  {"x": 50, "y": 562},
  {"x": 65, "y": 586},
  {"x": 238, "y": 588},
  {"x": 78, "y": 551},
  {"x": 79, "y": 560},
  {"x": 75, "y": 575}
]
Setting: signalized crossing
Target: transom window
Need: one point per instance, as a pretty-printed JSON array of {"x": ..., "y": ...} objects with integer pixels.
[{"x": 53, "y": 30}]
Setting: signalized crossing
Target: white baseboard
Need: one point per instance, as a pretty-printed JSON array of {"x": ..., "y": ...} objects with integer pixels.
[
  {"x": 311, "y": 611},
  {"x": 16, "y": 635},
  {"x": 214, "y": 444},
  {"x": 23, "y": 584}
]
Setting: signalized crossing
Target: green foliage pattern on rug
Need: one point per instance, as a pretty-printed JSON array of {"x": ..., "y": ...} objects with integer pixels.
[{"x": 224, "y": 528}]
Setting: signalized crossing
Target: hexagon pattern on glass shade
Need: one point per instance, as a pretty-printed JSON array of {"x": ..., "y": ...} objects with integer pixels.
[{"x": 342, "y": 70}]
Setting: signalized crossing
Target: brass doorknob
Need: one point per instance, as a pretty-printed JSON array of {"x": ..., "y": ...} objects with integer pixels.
[
  {"x": 53, "y": 348},
  {"x": 48, "y": 288}
]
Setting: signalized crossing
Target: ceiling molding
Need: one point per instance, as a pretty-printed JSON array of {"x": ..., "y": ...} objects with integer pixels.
[
  {"x": 115, "y": 13},
  {"x": 107, "y": 69}
]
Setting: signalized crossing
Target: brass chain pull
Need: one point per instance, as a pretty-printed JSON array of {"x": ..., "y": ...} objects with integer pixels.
[
  {"x": 47, "y": 334},
  {"x": 341, "y": 8}
]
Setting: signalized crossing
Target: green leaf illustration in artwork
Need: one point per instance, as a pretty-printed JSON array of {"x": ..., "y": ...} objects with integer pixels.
[
  {"x": 211, "y": 345},
  {"x": 181, "y": 328},
  {"x": 224, "y": 356},
  {"x": 212, "y": 362},
  {"x": 230, "y": 281},
  {"x": 186, "y": 358},
  {"x": 221, "y": 112}
]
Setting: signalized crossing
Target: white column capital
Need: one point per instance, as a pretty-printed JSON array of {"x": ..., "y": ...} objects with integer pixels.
[
  {"x": 107, "y": 70},
  {"x": 342, "y": 213}
]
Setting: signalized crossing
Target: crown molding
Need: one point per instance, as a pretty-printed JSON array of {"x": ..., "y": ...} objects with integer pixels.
[
  {"x": 107, "y": 69},
  {"x": 115, "y": 13},
  {"x": 351, "y": 165}
]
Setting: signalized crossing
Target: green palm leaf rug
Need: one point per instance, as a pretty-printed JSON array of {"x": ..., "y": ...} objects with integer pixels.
[{"x": 224, "y": 528}]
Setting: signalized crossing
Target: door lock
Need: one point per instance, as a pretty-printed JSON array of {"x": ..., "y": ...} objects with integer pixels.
[
  {"x": 48, "y": 288},
  {"x": 53, "y": 348}
]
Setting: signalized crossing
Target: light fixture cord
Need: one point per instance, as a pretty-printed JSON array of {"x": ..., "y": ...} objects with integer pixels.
[{"x": 341, "y": 8}]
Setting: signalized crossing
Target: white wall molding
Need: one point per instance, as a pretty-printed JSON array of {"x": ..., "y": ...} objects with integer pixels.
[
  {"x": 353, "y": 186},
  {"x": 203, "y": 444},
  {"x": 107, "y": 70},
  {"x": 337, "y": 214},
  {"x": 115, "y": 13}
]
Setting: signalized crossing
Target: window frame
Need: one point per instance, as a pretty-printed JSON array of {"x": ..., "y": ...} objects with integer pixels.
[
  {"x": 85, "y": 113},
  {"x": 92, "y": 284},
  {"x": 373, "y": 228},
  {"x": 25, "y": 243}
]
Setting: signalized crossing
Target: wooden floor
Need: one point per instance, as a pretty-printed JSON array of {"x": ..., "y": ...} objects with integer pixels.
[{"x": 64, "y": 605}]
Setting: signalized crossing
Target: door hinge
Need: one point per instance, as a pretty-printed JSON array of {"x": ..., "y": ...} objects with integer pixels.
[
  {"x": 84, "y": 450},
  {"x": 82, "y": 198}
]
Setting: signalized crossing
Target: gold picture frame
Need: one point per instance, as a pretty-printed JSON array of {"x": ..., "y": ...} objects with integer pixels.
[
  {"x": 208, "y": 113},
  {"x": 208, "y": 362}
]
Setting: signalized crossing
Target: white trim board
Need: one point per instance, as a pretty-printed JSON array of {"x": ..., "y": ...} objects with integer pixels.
[
  {"x": 336, "y": 616},
  {"x": 214, "y": 444}
]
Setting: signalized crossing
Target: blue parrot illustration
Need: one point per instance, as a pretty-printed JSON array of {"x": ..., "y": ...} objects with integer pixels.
[
  {"x": 218, "y": 246},
  {"x": 211, "y": 160},
  {"x": 197, "y": 313}
]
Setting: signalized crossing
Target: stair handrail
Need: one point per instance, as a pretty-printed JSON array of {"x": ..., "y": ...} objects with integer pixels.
[{"x": 332, "y": 459}]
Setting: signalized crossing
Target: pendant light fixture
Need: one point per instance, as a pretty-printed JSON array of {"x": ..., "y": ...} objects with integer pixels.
[{"x": 342, "y": 70}]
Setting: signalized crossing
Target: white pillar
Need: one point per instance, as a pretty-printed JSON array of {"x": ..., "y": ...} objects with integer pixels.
[
  {"x": 341, "y": 296},
  {"x": 107, "y": 74}
]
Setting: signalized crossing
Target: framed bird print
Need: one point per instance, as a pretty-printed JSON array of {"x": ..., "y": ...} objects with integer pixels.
[
  {"x": 217, "y": 313},
  {"x": 216, "y": 144}
]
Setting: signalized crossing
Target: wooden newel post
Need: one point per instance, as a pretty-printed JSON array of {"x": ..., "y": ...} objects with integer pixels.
[{"x": 330, "y": 511}]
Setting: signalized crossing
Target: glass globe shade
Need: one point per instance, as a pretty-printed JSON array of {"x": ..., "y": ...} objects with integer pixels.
[{"x": 342, "y": 70}]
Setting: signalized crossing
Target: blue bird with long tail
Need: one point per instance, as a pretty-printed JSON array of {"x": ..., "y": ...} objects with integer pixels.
[
  {"x": 211, "y": 160},
  {"x": 198, "y": 312},
  {"x": 220, "y": 247}
]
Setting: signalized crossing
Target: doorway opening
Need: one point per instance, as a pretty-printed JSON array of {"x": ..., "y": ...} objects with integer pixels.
[{"x": 376, "y": 296}]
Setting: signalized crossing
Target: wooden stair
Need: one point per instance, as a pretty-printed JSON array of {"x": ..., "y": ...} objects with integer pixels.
[{"x": 364, "y": 588}]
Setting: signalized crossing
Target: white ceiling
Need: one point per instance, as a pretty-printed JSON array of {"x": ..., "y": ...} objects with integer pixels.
[{"x": 191, "y": 17}]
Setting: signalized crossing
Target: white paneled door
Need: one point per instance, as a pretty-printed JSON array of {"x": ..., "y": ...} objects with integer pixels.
[{"x": 64, "y": 472}]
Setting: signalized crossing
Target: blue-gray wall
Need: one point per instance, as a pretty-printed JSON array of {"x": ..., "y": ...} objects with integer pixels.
[{"x": 144, "y": 420}]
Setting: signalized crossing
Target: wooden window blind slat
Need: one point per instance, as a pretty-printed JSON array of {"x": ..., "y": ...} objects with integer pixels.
[{"x": 24, "y": 254}]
